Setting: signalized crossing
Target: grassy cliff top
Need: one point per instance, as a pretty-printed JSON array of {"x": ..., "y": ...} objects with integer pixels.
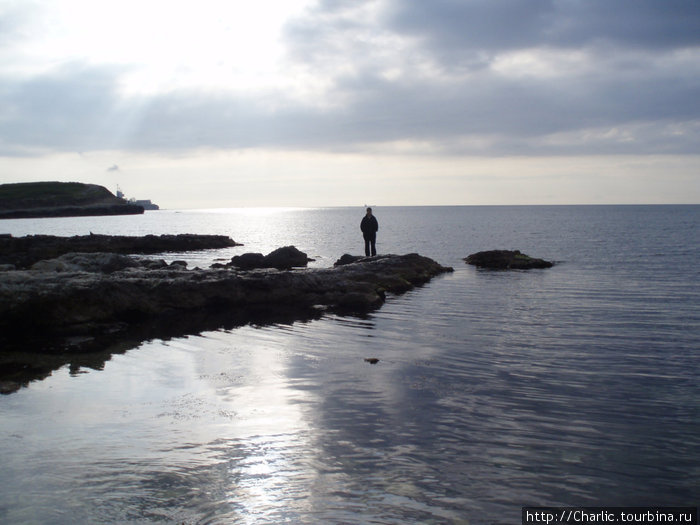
[{"x": 28, "y": 195}]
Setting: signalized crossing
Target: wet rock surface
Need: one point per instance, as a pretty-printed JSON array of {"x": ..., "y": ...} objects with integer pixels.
[
  {"x": 79, "y": 308},
  {"x": 83, "y": 294},
  {"x": 506, "y": 260},
  {"x": 23, "y": 252},
  {"x": 346, "y": 258}
]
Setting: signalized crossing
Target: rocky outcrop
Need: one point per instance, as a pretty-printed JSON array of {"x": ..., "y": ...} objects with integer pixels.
[
  {"x": 346, "y": 258},
  {"x": 506, "y": 260},
  {"x": 96, "y": 294},
  {"x": 282, "y": 258},
  {"x": 247, "y": 261},
  {"x": 79, "y": 308},
  {"x": 22, "y": 252},
  {"x": 61, "y": 199}
]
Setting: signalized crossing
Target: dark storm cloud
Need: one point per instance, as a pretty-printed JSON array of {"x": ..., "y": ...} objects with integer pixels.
[
  {"x": 510, "y": 24},
  {"x": 516, "y": 118},
  {"x": 80, "y": 110},
  {"x": 632, "y": 73},
  {"x": 411, "y": 71}
]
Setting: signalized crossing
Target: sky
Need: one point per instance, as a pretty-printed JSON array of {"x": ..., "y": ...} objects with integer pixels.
[{"x": 227, "y": 103}]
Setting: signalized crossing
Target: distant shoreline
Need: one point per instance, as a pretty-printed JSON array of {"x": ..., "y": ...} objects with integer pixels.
[
  {"x": 61, "y": 199},
  {"x": 73, "y": 211}
]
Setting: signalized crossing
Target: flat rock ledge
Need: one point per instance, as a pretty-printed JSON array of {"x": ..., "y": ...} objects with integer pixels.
[
  {"x": 22, "y": 252},
  {"x": 89, "y": 295},
  {"x": 506, "y": 260}
]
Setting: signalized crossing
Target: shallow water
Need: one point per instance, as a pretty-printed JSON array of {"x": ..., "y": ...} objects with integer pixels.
[{"x": 575, "y": 385}]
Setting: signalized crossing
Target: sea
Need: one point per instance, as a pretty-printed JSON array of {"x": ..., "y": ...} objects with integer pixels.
[{"x": 494, "y": 390}]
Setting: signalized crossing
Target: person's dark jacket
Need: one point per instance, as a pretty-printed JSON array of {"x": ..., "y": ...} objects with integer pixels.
[{"x": 369, "y": 226}]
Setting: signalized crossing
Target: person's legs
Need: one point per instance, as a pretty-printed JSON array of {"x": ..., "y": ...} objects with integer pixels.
[
  {"x": 367, "y": 242},
  {"x": 374, "y": 246}
]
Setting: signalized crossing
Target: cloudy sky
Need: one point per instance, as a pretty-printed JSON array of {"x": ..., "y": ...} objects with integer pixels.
[{"x": 224, "y": 103}]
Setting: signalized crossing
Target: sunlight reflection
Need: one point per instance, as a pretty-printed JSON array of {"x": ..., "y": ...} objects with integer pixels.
[
  {"x": 253, "y": 211},
  {"x": 271, "y": 434}
]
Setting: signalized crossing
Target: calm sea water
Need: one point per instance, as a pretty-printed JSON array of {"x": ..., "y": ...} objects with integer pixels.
[{"x": 576, "y": 385}]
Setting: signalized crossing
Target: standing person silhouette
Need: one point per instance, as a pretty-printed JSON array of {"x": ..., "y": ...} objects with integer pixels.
[{"x": 369, "y": 227}]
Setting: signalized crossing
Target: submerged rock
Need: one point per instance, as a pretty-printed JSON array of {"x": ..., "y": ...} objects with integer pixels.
[{"x": 506, "y": 260}]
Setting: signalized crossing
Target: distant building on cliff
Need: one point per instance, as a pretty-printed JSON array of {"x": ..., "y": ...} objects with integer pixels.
[{"x": 146, "y": 204}]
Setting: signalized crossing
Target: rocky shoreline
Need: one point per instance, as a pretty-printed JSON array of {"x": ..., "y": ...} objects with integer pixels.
[
  {"x": 23, "y": 252},
  {"x": 94, "y": 294},
  {"x": 78, "y": 303}
]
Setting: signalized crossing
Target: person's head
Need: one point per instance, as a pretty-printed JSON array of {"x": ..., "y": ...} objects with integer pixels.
[{"x": 369, "y": 211}]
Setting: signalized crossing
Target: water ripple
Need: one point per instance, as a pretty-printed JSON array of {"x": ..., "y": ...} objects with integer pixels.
[{"x": 571, "y": 386}]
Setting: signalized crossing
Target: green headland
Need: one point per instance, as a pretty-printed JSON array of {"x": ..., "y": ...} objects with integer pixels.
[{"x": 60, "y": 199}]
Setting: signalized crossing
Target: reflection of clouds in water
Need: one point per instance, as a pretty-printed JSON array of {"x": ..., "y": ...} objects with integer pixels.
[
  {"x": 270, "y": 479},
  {"x": 267, "y": 441},
  {"x": 492, "y": 388},
  {"x": 290, "y": 451}
]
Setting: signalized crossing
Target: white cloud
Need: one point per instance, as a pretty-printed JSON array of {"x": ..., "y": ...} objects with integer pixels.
[{"x": 378, "y": 79}]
